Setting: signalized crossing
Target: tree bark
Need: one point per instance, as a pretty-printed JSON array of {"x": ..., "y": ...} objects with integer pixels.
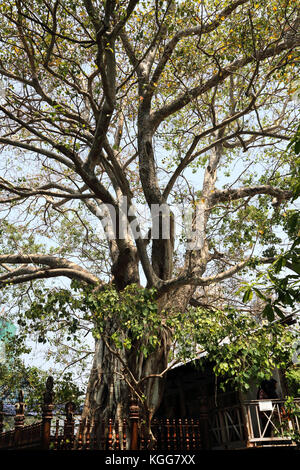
[
  {"x": 108, "y": 393},
  {"x": 111, "y": 386}
]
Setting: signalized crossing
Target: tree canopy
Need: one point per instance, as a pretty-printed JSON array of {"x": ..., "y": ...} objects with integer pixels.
[{"x": 112, "y": 110}]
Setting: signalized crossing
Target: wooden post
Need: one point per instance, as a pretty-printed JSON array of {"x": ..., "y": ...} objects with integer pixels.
[
  {"x": 124, "y": 434},
  {"x": 204, "y": 423},
  {"x": 181, "y": 441},
  {"x": 168, "y": 435},
  {"x": 69, "y": 424},
  {"x": 47, "y": 415},
  {"x": 80, "y": 435},
  {"x": 223, "y": 429},
  {"x": 193, "y": 434},
  {"x": 110, "y": 435},
  {"x": 174, "y": 434},
  {"x": 117, "y": 428},
  {"x": 134, "y": 421},
  {"x": 245, "y": 418},
  {"x": 187, "y": 435},
  {"x": 19, "y": 418},
  {"x": 57, "y": 441},
  {"x": 1, "y": 417},
  {"x": 88, "y": 435}
]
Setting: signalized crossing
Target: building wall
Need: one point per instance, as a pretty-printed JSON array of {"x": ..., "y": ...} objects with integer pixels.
[
  {"x": 5, "y": 328},
  {"x": 251, "y": 394},
  {"x": 185, "y": 387}
]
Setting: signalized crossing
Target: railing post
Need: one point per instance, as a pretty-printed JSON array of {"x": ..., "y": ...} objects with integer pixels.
[
  {"x": 47, "y": 409},
  {"x": 204, "y": 423},
  {"x": 69, "y": 424},
  {"x": 223, "y": 428},
  {"x": 19, "y": 418},
  {"x": 110, "y": 434},
  {"x": 247, "y": 424},
  {"x": 134, "y": 421},
  {"x": 1, "y": 417}
]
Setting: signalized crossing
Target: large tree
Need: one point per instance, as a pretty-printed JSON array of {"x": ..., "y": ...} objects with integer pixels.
[{"x": 154, "y": 103}]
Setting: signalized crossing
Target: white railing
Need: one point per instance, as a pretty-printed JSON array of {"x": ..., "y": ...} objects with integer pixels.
[
  {"x": 252, "y": 423},
  {"x": 227, "y": 427},
  {"x": 269, "y": 421}
]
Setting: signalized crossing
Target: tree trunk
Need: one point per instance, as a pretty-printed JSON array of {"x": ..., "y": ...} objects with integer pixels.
[
  {"x": 109, "y": 395},
  {"x": 108, "y": 392}
]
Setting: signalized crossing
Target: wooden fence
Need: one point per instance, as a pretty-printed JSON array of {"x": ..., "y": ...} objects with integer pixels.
[
  {"x": 271, "y": 424},
  {"x": 241, "y": 425},
  {"x": 175, "y": 435},
  {"x": 72, "y": 433},
  {"x": 34, "y": 436},
  {"x": 248, "y": 424},
  {"x": 228, "y": 428}
]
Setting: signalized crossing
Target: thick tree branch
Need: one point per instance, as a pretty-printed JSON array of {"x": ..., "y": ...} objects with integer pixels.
[
  {"x": 120, "y": 25},
  {"x": 56, "y": 267},
  {"x": 194, "y": 280},
  {"x": 49, "y": 273},
  {"x": 38, "y": 150},
  {"x": 42, "y": 191},
  {"x": 227, "y": 195},
  {"x": 64, "y": 150}
]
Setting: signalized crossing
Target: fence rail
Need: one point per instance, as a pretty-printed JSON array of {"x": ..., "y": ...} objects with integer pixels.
[
  {"x": 252, "y": 423},
  {"x": 270, "y": 422},
  {"x": 246, "y": 424},
  {"x": 69, "y": 433},
  {"x": 174, "y": 435},
  {"x": 228, "y": 427}
]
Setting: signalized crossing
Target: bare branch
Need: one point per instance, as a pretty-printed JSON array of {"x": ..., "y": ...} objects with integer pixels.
[
  {"x": 192, "y": 279},
  {"x": 249, "y": 191},
  {"x": 158, "y": 116},
  {"x": 56, "y": 267},
  {"x": 197, "y": 30}
]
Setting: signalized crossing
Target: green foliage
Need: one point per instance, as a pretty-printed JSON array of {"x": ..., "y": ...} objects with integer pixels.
[
  {"x": 132, "y": 314},
  {"x": 292, "y": 412},
  {"x": 282, "y": 292},
  {"x": 292, "y": 375},
  {"x": 126, "y": 318},
  {"x": 294, "y": 145},
  {"x": 242, "y": 349},
  {"x": 16, "y": 375},
  {"x": 277, "y": 288}
]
